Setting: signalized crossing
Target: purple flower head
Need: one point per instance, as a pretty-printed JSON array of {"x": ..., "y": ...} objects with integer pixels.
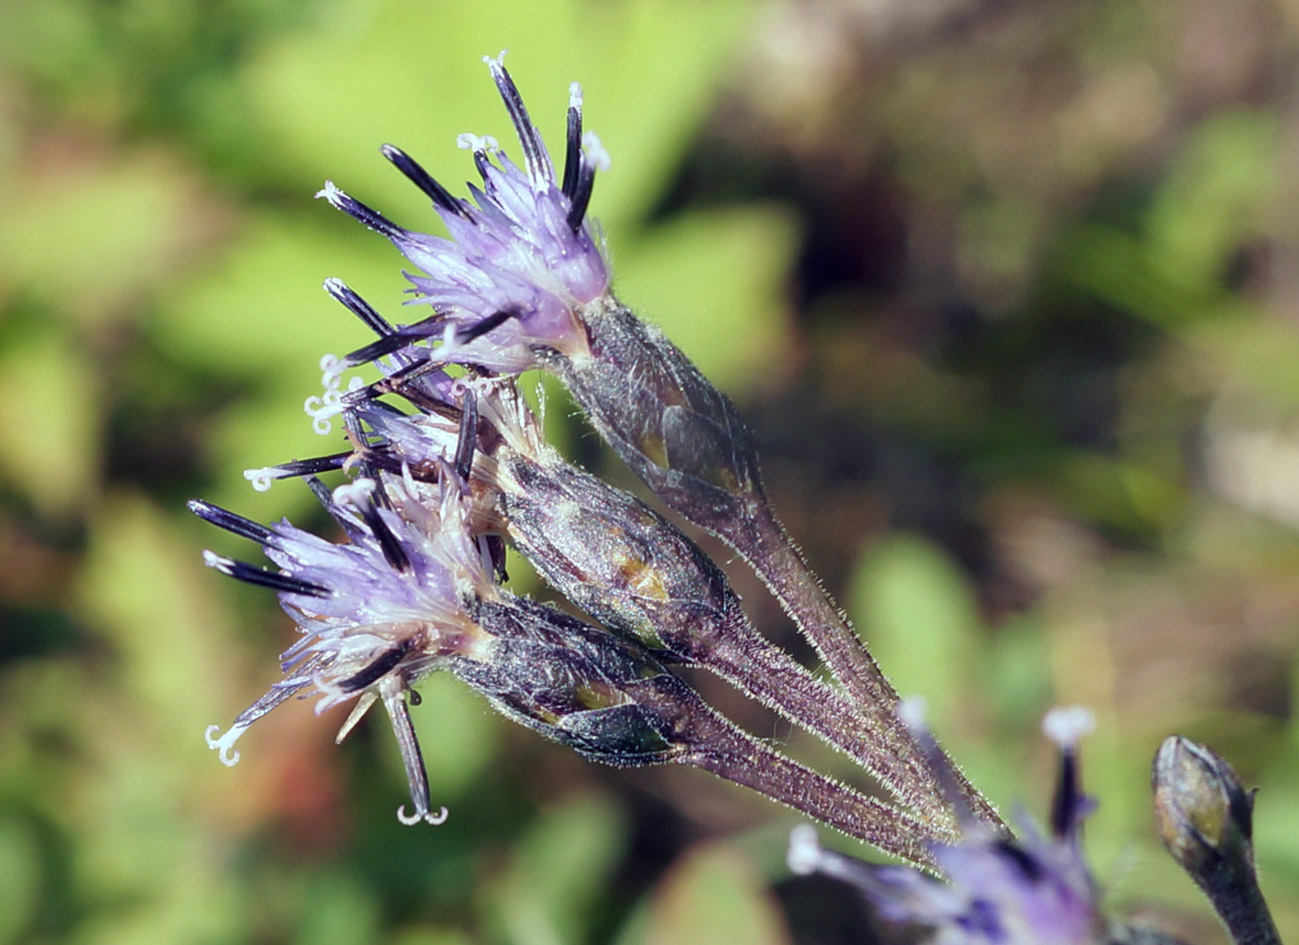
[
  {"x": 377, "y": 613},
  {"x": 1034, "y": 890},
  {"x": 521, "y": 262}
]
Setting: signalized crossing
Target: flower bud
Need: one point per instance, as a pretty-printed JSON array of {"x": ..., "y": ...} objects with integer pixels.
[
  {"x": 1202, "y": 810},
  {"x": 667, "y": 421},
  {"x": 1205, "y": 818}
]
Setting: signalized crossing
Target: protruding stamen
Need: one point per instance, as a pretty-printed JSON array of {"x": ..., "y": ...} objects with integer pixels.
[
  {"x": 224, "y": 746},
  {"x": 806, "y": 856},
  {"x": 441, "y": 197},
  {"x": 362, "y": 706},
  {"x": 581, "y": 196},
  {"x": 392, "y": 690},
  {"x": 911, "y": 712},
  {"x": 573, "y": 141},
  {"x": 535, "y": 158},
  {"x": 222, "y": 518},
  {"x": 358, "y": 307},
  {"x": 325, "y": 497},
  {"x": 300, "y": 467},
  {"x": 1065, "y": 727},
  {"x": 251, "y": 574},
  {"x": 367, "y": 215}
]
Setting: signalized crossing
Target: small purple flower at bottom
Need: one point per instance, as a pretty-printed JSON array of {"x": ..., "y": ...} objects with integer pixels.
[
  {"x": 377, "y": 613},
  {"x": 1034, "y": 890}
]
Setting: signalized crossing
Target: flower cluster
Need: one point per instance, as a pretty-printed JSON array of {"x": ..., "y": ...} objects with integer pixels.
[{"x": 446, "y": 464}]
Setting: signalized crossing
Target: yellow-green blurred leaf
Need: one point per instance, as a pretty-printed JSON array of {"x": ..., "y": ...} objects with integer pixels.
[
  {"x": 712, "y": 895},
  {"x": 714, "y": 283},
  {"x": 559, "y": 868},
  {"x": 50, "y": 447},
  {"x": 915, "y": 610}
]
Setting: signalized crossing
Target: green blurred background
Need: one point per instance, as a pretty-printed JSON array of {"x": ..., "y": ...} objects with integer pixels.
[{"x": 1009, "y": 291}]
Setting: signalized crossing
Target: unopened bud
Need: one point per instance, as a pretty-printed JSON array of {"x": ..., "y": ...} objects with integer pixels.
[
  {"x": 1202, "y": 810},
  {"x": 666, "y": 420},
  {"x": 1205, "y": 818}
]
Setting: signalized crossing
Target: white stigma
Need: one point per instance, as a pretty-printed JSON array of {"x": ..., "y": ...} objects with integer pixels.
[
  {"x": 912, "y": 711},
  {"x": 595, "y": 151},
  {"x": 355, "y": 493},
  {"x": 1065, "y": 725},
  {"x": 575, "y": 95},
  {"x": 804, "y": 854},
  {"x": 477, "y": 143},
  {"x": 220, "y": 562},
  {"x": 331, "y": 193}
]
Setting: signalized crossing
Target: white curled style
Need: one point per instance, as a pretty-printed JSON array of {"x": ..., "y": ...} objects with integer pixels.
[
  {"x": 424, "y": 817},
  {"x": 261, "y": 479},
  {"x": 224, "y": 746},
  {"x": 467, "y": 141}
]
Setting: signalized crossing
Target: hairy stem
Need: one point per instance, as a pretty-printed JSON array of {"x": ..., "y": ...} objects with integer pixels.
[{"x": 762, "y": 541}]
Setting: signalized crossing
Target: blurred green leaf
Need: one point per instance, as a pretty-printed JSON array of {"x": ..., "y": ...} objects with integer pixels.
[
  {"x": 85, "y": 234},
  {"x": 915, "y": 610},
  {"x": 714, "y": 282},
  {"x": 373, "y": 71},
  {"x": 20, "y": 877},
  {"x": 50, "y": 447},
  {"x": 461, "y": 734},
  {"x": 1215, "y": 197},
  {"x": 712, "y": 895},
  {"x": 559, "y": 870},
  {"x": 337, "y": 910}
]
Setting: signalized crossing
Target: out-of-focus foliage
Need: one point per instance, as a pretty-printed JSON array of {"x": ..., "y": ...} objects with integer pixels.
[{"x": 1009, "y": 292}]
